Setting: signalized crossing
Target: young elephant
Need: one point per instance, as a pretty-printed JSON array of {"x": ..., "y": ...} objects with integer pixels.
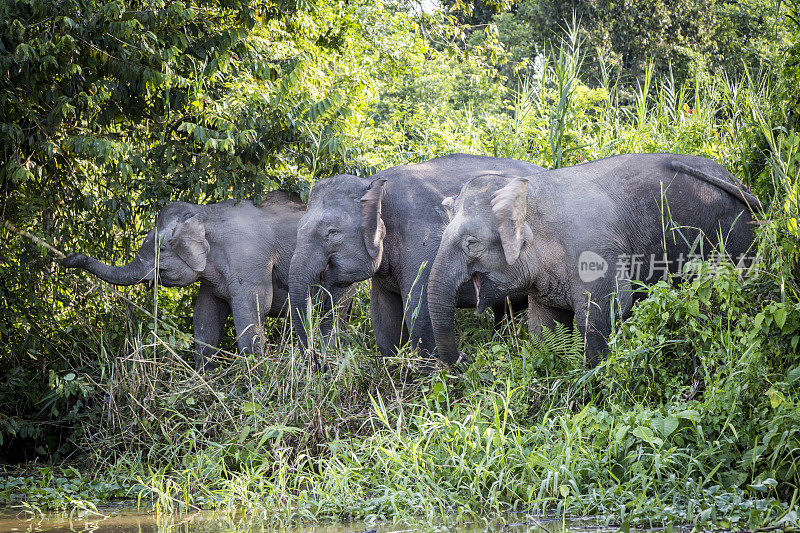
[
  {"x": 576, "y": 238},
  {"x": 384, "y": 227},
  {"x": 239, "y": 252}
]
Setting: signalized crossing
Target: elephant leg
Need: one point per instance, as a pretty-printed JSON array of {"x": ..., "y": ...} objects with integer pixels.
[
  {"x": 504, "y": 311},
  {"x": 596, "y": 310},
  {"x": 345, "y": 305},
  {"x": 210, "y": 313},
  {"x": 386, "y": 311},
  {"x": 334, "y": 305},
  {"x": 248, "y": 317},
  {"x": 502, "y": 314},
  {"x": 544, "y": 316},
  {"x": 341, "y": 315}
]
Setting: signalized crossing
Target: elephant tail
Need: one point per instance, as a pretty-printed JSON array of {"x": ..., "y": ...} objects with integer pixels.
[{"x": 737, "y": 189}]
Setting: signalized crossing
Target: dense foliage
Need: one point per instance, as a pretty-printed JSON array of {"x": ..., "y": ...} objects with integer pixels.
[{"x": 113, "y": 108}]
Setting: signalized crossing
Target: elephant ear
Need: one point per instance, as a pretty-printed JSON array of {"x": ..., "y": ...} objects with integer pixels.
[
  {"x": 447, "y": 207},
  {"x": 509, "y": 206},
  {"x": 371, "y": 221},
  {"x": 190, "y": 244}
]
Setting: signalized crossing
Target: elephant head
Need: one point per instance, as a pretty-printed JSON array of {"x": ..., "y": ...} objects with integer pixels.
[
  {"x": 486, "y": 243},
  {"x": 177, "y": 245},
  {"x": 339, "y": 242}
]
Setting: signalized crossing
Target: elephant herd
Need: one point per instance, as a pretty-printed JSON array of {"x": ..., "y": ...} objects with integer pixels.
[{"x": 573, "y": 244}]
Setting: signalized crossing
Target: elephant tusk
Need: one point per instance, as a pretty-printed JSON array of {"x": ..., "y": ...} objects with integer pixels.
[{"x": 476, "y": 283}]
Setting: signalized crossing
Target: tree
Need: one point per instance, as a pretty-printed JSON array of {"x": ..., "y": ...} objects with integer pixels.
[
  {"x": 112, "y": 108},
  {"x": 627, "y": 34}
]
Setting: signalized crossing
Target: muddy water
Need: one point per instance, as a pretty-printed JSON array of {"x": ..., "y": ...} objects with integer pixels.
[{"x": 129, "y": 521}]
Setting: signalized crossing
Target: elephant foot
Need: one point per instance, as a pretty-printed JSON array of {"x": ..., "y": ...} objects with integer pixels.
[{"x": 433, "y": 364}]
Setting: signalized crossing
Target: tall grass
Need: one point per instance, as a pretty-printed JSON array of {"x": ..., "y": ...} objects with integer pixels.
[{"x": 692, "y": 419}]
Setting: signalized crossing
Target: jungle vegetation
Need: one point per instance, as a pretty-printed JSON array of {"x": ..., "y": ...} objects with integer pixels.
[{"x": 111, "y": 108}]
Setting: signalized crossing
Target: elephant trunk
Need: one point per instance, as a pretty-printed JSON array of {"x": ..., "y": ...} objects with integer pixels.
[
  {"x": 448, "y": 274},
  {"x": 137, "y": 271},
  {"x": 303, "y": 273}
]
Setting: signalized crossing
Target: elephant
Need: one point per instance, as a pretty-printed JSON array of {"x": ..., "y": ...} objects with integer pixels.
[
  {"x": 238, "y": 251},
  {"x": 386, "y": 227},
  {"x": 557, "y": 235}
]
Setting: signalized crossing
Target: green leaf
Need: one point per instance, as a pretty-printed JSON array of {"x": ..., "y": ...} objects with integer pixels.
[
  {"x": 689, "y": 414},
  {"x": 780, "y": 316},
  {"x": 251, "y": 408},
  {"x": 788, "y": 518},
  {"x": 646, "y": 434},
  {"x": 793, "y": 375},
  {"x": 776, "y": 397},
  {"x": 693, "y": 307},
  {"x": 764, "y": 486},
  {"x": 671, "y": 423},
  {"x": 704, "y": 293},
  {"x": 244, "y": 433}
]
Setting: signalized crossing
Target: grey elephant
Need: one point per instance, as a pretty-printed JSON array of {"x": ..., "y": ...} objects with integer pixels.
[
  {"x": 386, "y": 227},
  {"x": 577, "y": 239},
  {"x": 238, "y": 251}
]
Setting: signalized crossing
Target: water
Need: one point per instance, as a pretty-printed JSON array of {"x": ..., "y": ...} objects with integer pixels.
[{"x": 133, "y": 521}]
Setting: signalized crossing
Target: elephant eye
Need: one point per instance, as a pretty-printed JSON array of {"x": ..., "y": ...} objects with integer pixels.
[
  {"x": 331, "y": 232},
  {"x": 473, "y": 246}
]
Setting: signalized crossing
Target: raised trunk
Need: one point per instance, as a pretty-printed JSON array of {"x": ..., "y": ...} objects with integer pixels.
[
  {"x": 447, "y": 276},
  {"x": 134, "y": 272}
]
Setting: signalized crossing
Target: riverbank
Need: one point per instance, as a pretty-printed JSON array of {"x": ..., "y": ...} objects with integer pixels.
[{"x": 699, "y": 436}]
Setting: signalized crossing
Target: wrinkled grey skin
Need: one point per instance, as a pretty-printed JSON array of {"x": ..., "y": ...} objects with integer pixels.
[
  {"x": 527, "y": 235},
  {"x": 238, "y": 252},
  {"x": 383, "y": 227}
]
